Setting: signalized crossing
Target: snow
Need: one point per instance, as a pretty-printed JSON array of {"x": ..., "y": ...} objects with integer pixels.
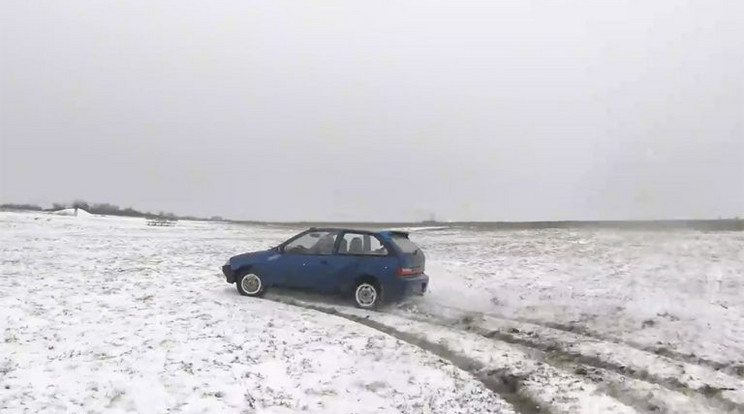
[
  {"x": 555, "y": 381},
  {"x": 108, "y": 314},
  {"x": 661, "y": 368},
  {"x": 72, "y": 212},
  {"x": 566, "y": 393},
  {"x": 674, "y": 290}
]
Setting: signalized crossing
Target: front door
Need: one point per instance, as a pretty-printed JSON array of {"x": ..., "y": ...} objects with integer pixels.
[
  {"x": 320, "y": 273},
  {"x": 306, "y": 260}
]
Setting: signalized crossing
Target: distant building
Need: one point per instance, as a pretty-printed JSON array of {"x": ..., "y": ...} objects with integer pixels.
[{"x": 432, "y": 220}]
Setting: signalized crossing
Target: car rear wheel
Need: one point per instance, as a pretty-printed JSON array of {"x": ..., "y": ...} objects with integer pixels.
[
  {"x": 250, "y": 284},
  {"x": 367, "y": 294}
]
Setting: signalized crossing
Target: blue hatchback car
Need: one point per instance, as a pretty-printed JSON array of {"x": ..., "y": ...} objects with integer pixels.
[{"x": 368, "y": 266}]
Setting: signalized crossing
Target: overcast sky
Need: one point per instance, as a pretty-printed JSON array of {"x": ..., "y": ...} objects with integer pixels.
[{"x": 377, "y": 110}]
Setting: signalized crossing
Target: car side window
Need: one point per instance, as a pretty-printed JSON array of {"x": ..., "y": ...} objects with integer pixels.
[
  {"x": 361, "y": 244},
  {"x": 315, "y": 242}
]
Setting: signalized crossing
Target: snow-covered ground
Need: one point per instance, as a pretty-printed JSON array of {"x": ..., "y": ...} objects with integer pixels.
[
  {"x": 676, "y": 291},
  {"x": 110, "y": 315},
  {"x": 106, "y": 314}
]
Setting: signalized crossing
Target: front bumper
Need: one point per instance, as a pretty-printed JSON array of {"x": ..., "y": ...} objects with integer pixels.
[{"x": 229, "y": 273}]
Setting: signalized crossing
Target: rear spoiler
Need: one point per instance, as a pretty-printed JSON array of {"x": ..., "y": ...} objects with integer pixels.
[{"x": 398, "y": 233}]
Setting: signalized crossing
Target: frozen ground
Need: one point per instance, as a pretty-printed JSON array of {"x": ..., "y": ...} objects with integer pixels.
[
  {"x": 109, "y": 315},
  {"x": 677, "y": 291},
  {"x": 106, "y": 314}
]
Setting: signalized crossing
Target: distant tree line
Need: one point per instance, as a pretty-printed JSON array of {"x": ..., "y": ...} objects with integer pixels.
[
  {"x": 27, "y": 207},
  {"x": 94, "y": 208}
]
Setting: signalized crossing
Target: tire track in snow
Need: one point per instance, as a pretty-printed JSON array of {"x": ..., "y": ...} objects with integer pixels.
[
  {"x": 722, "y": 391},
  {"x": 505, "y": 385},
  {"x": 728, "y": 368},
  {"x": 560, "y": 356},
  {"x": 648, "y": 397},
  {"x": 731, "y": 369},
  {"x": 531, "y": 386},
  {"x": 610, "y": 359},
  {"x": 667, "y": 386}
]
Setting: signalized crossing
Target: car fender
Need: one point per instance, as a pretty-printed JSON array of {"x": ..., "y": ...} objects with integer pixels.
[
  {"x": 257, "y": 262},
  {"x": 383, "y": 270}
]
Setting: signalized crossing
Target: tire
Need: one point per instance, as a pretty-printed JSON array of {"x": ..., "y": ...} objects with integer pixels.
[
  {"x": 367, "y": 294},
  {"x": 250, "y": 284}
]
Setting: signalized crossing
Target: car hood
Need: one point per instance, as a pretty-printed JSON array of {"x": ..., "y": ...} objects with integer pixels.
[{"x": 251, "y": 257}]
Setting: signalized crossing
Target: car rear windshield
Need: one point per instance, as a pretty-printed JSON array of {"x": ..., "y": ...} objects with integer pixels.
[{"x": 405, "y": 245}]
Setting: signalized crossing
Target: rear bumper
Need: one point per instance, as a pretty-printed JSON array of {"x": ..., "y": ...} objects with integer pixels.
[
  {"x": 229, "y": 274},
  {"x": 410, "y": 286}
]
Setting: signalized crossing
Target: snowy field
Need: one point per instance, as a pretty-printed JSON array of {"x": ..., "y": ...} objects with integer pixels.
[
  {"x": 103, "y": 314},
  {"x": 679, "y": 291}
]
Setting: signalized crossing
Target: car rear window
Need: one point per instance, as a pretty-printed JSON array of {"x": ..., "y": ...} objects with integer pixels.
[{"x": 405, "y": 245}]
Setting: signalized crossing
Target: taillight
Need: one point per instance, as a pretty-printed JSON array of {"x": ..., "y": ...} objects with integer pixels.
[{"x": 407, "y": 271}]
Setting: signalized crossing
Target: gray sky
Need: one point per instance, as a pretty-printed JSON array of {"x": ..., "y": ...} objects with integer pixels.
[{"x": 377, "y": 110}]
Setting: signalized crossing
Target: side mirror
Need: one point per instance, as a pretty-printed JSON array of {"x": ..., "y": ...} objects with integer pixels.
[{"x": 278, "y": 249}]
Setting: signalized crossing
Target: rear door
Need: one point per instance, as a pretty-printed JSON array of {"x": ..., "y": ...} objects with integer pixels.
[
  {"x": 413, "y": 259},
  {"x": 359, "y": 254}
]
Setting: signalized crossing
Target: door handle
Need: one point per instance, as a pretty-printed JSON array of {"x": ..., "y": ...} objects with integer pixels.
[{"x": 324, "y": 262}]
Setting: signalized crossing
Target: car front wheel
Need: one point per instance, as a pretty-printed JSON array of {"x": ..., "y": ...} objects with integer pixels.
[
  {"x": 250, "y": 284},
  {"x": 367, "y": 294}
]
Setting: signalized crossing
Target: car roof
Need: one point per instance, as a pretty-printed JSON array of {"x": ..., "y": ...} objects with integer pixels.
[{"x": 383, "y": 233}]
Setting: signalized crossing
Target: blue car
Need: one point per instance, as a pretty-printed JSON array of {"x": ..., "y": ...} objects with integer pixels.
[{"x": 367, "y": 266}]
